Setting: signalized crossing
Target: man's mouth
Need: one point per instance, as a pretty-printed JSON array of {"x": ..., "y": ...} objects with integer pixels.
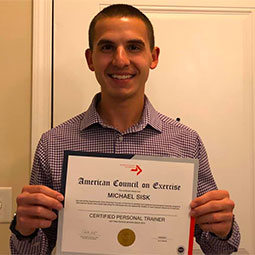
[{"x": 121, "y": 76}]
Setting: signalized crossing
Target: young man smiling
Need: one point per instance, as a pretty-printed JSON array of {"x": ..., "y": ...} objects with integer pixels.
[
  {"x": 121, "y": 57},
  {"x": 119, "y": 120}
]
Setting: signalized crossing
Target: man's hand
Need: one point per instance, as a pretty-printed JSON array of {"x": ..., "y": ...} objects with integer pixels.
[
  {"x": 34, "y": 208},
  {"x": 213, "y": 212}
]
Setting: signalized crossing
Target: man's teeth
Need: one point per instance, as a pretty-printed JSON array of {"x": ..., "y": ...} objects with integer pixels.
[{"x": 121, "y": 77}]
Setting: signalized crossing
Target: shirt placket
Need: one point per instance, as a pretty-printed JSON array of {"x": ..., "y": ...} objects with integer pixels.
[{"x": 119, "y": 143}]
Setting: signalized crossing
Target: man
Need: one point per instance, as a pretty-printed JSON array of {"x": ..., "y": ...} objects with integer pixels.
[{"x": 119, "y": 120}]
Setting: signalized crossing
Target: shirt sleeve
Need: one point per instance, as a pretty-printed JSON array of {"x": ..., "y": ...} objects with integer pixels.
[
  {"x": 209, "y": 243},
  {"x": 45, "y": 240}
]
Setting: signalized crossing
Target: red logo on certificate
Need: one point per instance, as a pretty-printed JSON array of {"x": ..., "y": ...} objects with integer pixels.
[{"x": 137, "y": 169}]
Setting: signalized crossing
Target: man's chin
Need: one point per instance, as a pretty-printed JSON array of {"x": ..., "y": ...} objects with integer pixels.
[{"x": 121, "y": 95}]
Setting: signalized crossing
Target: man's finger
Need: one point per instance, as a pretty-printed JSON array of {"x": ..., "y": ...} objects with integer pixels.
[
  {"x": 36, "y": 212},
  {"x": 209, "y": 196},
  {"x": 45, "y": 190},
  {"x": 214, "y": 218},
  {"x": 34, "y": 223},
  {"x": 221, "y": 229},
  {"x": 213, "y": 207},
  {"x": 38, "y": 199}
]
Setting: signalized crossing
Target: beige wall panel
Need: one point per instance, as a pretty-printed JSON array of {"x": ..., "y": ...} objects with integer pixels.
[{"x": 15, "y": 100}]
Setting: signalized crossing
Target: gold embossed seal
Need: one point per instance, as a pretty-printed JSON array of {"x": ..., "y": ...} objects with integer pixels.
[{"x": 126, "y": 237}]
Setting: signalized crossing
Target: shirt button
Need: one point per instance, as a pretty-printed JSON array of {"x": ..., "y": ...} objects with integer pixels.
[{"x": 121, "y": 138}]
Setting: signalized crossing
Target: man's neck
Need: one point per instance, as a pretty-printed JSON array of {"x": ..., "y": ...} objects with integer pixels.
[{"x": 121, "y": 114}]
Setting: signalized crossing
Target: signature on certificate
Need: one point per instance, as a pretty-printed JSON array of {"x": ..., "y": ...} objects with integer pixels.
[{"x": 89, "y": 234}]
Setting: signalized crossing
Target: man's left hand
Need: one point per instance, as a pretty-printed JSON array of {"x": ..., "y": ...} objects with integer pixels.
[{"x": 213, "y": 212}]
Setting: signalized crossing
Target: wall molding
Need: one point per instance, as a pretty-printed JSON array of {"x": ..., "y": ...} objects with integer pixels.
[{"x": 41, "y": 73}]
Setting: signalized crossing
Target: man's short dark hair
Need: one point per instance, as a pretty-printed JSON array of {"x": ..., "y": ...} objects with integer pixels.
[{"x": 121, "y": 10}]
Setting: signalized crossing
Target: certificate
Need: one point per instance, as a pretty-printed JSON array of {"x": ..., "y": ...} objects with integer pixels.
[{"x": 126, "y": 204}]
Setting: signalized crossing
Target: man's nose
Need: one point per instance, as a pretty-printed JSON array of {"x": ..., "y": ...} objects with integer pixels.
[{"x": 120, "y": 58}]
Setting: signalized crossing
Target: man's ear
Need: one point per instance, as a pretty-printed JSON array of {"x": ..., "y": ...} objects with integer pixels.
[
  {"x": 88, "y": 55},
  {"x": 155, "y": 55}
]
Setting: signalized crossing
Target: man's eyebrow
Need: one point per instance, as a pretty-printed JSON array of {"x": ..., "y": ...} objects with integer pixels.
[
  {"x": 137, "y": 41},
  {"x": 134, "y": 41},
  {"x": 104, "y": 41}
]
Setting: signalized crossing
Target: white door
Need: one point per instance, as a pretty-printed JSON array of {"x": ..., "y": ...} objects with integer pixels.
[{"x": 205, "y": 77}]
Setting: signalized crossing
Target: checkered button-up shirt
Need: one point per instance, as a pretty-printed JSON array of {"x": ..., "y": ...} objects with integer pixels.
[{"x": 154, "y": 135}]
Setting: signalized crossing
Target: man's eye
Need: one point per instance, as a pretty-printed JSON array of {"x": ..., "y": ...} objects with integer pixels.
[
  {"x": 134, "y": 47},
  {"x": 107, "y": 47}
]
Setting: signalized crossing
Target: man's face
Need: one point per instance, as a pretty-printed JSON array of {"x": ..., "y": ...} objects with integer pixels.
[{"x": 121, "y": 56}]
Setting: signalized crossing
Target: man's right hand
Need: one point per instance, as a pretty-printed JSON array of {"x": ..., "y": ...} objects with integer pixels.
[{"x": 34, "y": 208}]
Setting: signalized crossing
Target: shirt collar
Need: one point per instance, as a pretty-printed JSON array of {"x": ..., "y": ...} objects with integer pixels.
[{"x": 149, "y": 117}]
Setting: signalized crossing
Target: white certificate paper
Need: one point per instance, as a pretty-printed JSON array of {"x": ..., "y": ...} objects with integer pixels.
[{"x": 126, "y": 204}]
